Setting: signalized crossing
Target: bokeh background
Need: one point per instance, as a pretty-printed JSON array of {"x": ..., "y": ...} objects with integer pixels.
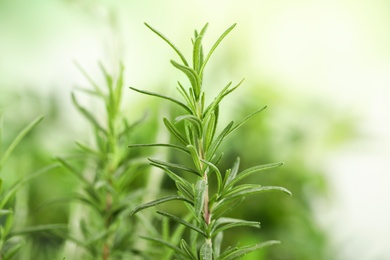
[{"x": 322, "y": 67}]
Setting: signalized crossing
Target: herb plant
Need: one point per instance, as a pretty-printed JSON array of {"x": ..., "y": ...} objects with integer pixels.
[
  {"x": 108, "y": 180},
  {"x": 11, "y": 237},
  {"x": 208, "y": 194}
]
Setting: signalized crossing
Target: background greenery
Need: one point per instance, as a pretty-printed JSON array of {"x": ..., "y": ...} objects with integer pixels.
[{"x": 287, "y": 52}]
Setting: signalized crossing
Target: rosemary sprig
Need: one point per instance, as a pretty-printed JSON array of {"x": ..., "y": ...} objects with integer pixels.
[{"x": 198, "y": 138}]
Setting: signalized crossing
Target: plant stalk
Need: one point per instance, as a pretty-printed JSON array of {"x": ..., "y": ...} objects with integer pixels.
[{"x": 201, "y": 152}]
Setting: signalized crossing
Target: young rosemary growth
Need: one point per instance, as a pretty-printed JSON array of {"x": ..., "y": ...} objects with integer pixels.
[
  {"x": 213, "y": 194},
  {"x": 108, "y": 181},
  {"x": 11, "y": 235}
]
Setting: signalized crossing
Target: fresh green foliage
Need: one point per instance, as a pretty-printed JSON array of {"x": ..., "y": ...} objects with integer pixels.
[
  {"x": 293, "y": 221},
  {"x": 210, "y": 195},
  {"x": 108, "y": 181},
  {"x": 11, "y": 237},
  {"x": 17, "y": 139}
]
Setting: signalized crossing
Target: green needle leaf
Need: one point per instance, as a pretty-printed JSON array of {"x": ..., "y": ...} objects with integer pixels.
[
  {"x": 195, "y": 158},
  {"x": 252, "y": 170},
  {"x": 170, "y": 44},
  {"x": 213, "y": 106},
  {"x": 206, "y": 251},
  {"x": 174, "y": 166},
  {"x": 238, "y": 253},
  {"x": 89, "y": 150},
  {"x": 192, "y": 76},
  {"x": 221, "y": 209},
  {"x": 175, "y": 177},
  {"x": 245, "y": 120},
  {"x": 188, "y": 99},
  {"x": 169, "y": 245},
  {"x": 214, "y": 47},
  {"x": 171, "y": 128},
  {"x": 217, "y": 245},
  {"x": 183, "y": 190},
  {"x": 210, "y": 130},
  {"x": 183, "y": 222},
  {"x": 159, "y": 201},
  {"x": 197, "y": 50},
  {"x": 163, "y": 97},
  {"x": 87, "y": 115},
  {"x": 217, "y": 172},
  {"x": 23, "y": 181},
  {"x": 72, "y": 169},
  {"x": 200, "y": 192},
  {"x": 195, "y": 121},
  {"x": 187, "y": 249},
  {"x": 181, "y": 148},
  {"x": 40, "y": 228},
  {"x": 253, "y": 190},
  {"x": 17, "y": 140},
  {"x": 231, "y": 173},
  {"x": 228, "y": 223},
  {"x": 98, "y": 91},
  {"x": 214, "y": 146}
]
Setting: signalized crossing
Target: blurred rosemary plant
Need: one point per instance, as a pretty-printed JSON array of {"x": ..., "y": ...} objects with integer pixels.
[
  {"x": 109, "y": 183},
  {"x": 11, "y": 237},
  {"x": 210, "y": 195}
]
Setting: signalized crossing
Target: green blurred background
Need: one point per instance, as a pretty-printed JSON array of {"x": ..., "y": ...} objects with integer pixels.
[{"x": 322, "y": 67}]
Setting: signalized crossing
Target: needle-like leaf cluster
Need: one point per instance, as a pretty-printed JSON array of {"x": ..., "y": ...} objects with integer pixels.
[
  {"x": 10, "y": 235},
  {"x": 108, "y": 181},
  {"x": 199, "y": 138}
]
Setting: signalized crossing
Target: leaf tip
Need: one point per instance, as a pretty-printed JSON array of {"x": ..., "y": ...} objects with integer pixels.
[
  {"x": 133, "y": 212},
  {"x": 287, "y": 191}
]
